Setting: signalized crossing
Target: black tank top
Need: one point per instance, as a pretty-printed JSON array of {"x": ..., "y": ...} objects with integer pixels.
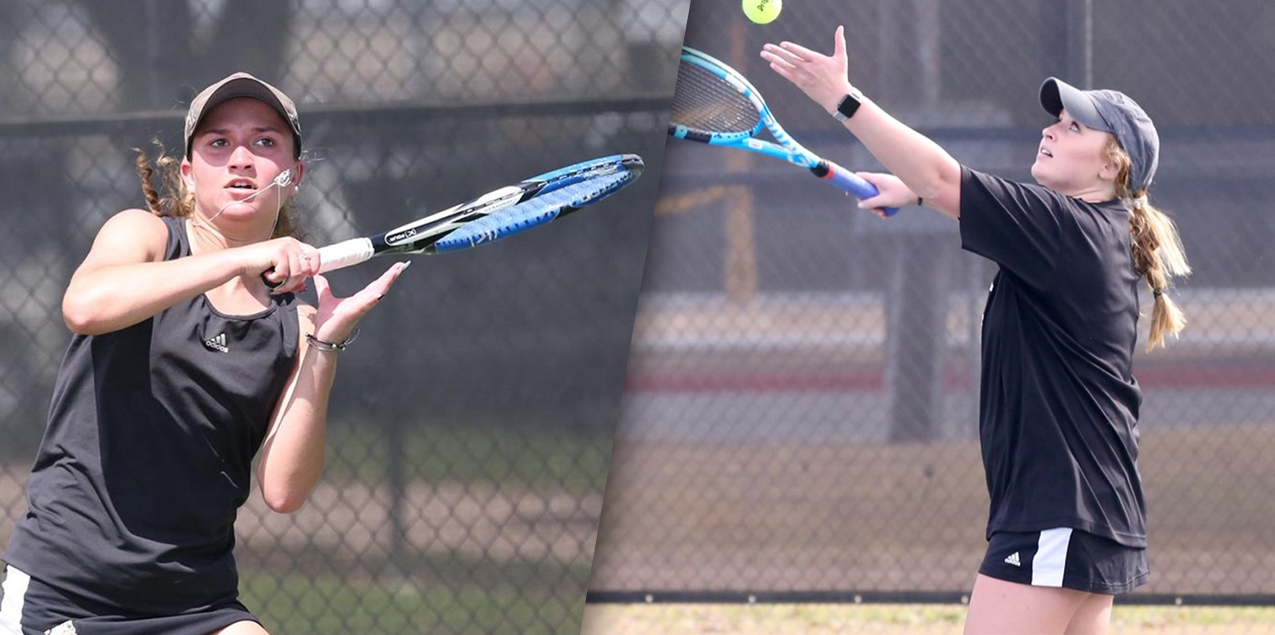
[{"x": 147, "y": 454}]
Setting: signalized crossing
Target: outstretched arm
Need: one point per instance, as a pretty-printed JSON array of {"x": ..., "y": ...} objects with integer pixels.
[{"x": 924, "y": 167}]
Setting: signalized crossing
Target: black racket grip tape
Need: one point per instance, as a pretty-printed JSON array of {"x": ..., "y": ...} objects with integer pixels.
[{"x": 270, "y": 285}]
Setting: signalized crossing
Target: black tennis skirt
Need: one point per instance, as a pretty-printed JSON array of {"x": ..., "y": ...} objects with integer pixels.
[
  {"x": 1067, "y": 558},
  {"x": 30, "y": 607}
]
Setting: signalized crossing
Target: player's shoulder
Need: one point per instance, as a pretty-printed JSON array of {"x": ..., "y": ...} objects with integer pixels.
[
  {"x": 978, "y": 189},
  {"x": 137, "y": 221},
  {"x": 999, "y": 186},
  {"x": 132, "y": 230}
]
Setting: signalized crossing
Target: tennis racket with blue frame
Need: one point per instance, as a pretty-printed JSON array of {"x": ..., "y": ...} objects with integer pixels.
[
  {"x": 714, "y": 104},
  {"x": 498, "y": 214}
]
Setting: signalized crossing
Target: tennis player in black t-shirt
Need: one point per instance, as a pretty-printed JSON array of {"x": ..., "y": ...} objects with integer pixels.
[{"x": 1059, "y": 403}]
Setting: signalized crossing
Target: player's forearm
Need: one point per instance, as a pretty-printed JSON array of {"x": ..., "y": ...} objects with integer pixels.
[
  {"x": 292, "y": 457},
  {"x": 113, "y": 297},
  {"x": 924, "y": 166}
]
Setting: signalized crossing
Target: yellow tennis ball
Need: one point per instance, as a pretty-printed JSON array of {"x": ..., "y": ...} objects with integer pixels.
[{"x": 763, "y": 11}]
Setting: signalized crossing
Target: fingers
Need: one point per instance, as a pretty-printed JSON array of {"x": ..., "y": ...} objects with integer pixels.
[
  {"x": 795, "y": 54},
  {"x": 871, "y": 205},
  {"x": 293, "y": 264},
  {"x": 783, "y": 54},
  {"x": 294, "y": 272},
  {"x": 875, "y": 203},
  {"x": 784, "y": 64},
  {"x": 322, "y": 289},
  {"x": 821, "y": 77},
  {"x": 391, "y": 275},
  {"x": 311, "y": 261},
  {"x": 892, "y": 193},
  {"x": 376, "y": 290},
  {"x": 784, "y": 69},
  {"x": 770, "y": 56},
  {"x": 877, "y": 179},
  {"x": 367, "y": 297},
  {"x": 799, "y": 52},
  {"x": 337, "y": 317}
]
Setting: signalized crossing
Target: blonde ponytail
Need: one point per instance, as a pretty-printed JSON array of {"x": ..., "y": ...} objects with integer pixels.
[
  {"x": 1157, "y": 251},
  {"x": 177, "y": 202}
]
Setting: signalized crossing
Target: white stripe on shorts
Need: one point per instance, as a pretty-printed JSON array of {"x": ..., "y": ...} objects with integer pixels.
[
  {"x": 12, "y": 596},
  {"x": 1051, "y": 556}
]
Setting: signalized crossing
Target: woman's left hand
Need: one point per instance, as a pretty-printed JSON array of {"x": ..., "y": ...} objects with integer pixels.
[
  {"x": 821, "y": 77},
  {"x": 336, "y": 318}
]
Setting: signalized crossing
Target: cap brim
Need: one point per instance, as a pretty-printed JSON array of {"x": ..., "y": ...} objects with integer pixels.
[
  {"x": 244, "y": 87},
  {"x": 1057, "y": 95}
]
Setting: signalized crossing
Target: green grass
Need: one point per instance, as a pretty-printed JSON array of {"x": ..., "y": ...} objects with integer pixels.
[
  {"x": 331, "y": 604},
  {"x": 432, "y": 588},
  {"x": 535, "y": 455}
]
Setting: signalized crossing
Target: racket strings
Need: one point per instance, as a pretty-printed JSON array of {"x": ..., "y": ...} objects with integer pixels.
[
  {"x": 705, "y": 102},
  {"x": 534, "y": 212}
]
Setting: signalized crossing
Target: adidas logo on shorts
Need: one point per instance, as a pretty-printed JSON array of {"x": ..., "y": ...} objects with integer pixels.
[
  {"x": 65, "y": 628},
  {"x": 1013, "y": 559}
]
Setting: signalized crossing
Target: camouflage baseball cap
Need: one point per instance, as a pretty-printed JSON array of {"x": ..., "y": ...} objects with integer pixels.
[
  {"x": 1114, "y": 112},
  {"x": 242, "y": 85}
]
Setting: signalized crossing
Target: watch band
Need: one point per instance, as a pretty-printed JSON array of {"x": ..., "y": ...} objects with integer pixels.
[{"x": 848, "y": 105}]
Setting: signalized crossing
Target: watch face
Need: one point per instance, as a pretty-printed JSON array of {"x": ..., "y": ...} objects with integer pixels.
[{"x": 849, "y": 104}]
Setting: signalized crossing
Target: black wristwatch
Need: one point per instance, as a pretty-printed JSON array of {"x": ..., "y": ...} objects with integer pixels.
[{"x": 848, "y": 105}]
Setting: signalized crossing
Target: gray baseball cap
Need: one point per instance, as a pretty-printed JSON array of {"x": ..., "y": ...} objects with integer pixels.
[
  {"x": 242, "y": 85},
  {"x": 1114, "y": 112}
]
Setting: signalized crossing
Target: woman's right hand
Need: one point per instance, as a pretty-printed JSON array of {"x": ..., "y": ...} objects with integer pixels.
[{"x": 283, "y": 264}]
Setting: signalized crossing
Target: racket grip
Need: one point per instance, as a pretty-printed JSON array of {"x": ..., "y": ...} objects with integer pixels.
[
  {"x": 345, "y": 254},
  {"x": 848, "y": 181}
]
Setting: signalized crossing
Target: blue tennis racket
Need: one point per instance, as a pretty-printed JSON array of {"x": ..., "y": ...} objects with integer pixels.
[
  {"x": 495, "y": 215},
  {"x": 714, "y": 104}
]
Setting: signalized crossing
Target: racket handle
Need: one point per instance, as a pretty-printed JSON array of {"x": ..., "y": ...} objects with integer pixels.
[
  {"x": 338, "y": 256},
  {"x": 345, "y": 254},
  {"x": 848, "y": 181}
]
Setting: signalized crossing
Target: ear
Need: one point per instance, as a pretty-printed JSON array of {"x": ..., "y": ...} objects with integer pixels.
[
  {"x": 298, "y": 175},
  {"x": 1109, "y": 172},
  {"x": 187, "y": 176}
]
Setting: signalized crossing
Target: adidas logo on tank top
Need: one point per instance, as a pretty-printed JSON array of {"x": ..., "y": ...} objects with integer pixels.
[{"x": 217, "y": 343}]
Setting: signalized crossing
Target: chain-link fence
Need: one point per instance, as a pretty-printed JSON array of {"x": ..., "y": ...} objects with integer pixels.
[
  {"x": 800, "y": 414},
  {"x": 471, "y": 424}
]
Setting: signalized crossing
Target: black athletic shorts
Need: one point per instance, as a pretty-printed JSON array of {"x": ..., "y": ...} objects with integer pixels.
[
  {"x": 1065, "y": 558},
  {"x": 29, "y": 607}
]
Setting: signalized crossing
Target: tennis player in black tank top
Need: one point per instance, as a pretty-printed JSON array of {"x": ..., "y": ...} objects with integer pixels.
[
  {"x": 1059, "y": 403},
  {"x": 184, "y": 365}
]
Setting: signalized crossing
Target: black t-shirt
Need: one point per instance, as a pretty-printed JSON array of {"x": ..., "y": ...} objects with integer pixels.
[
  {"x": 1058, "y": 404},
  {"x": 148, "y": 451}
]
